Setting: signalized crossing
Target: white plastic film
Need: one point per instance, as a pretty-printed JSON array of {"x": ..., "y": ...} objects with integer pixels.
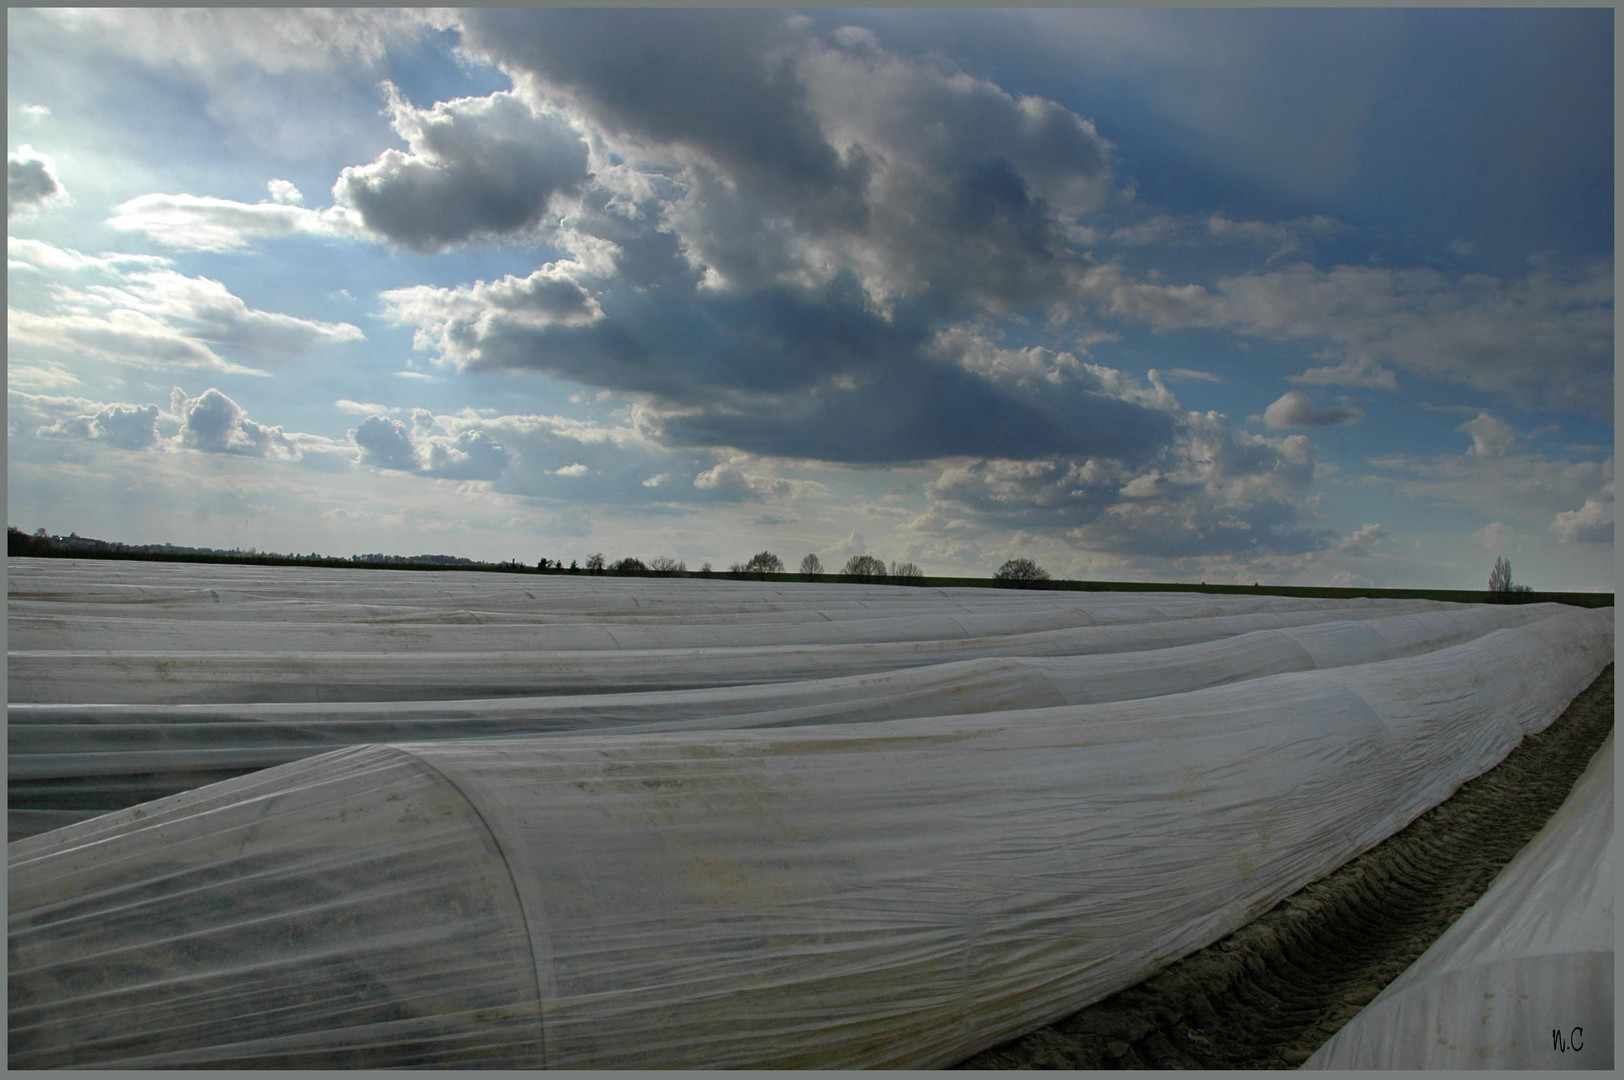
[
  {"x": 130, "y": 681},
  {"x": 886, "y": 893},
  {"x": 1524, "y": 979}
]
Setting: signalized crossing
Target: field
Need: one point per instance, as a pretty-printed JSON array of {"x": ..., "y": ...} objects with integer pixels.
[{"x": 684, "y": 822}]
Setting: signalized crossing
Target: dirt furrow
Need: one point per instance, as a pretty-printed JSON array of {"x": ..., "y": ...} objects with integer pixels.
[{"x": 1268, "y": 995}]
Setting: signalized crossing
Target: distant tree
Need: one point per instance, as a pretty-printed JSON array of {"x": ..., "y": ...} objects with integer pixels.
[
  {"x": 594, "y": 563},
  {"x": 863, "y": 568},
  {"x": 811, "y": 566},
  {"x": 1500, "y": 582},
  {"x": 763, "y": 563},
  {"x": 665, "y": 565},
  {"x": 906, "y": 573},
  {"x": 705, "y": 569},
  {"x": 574, "y": 567},
  {"x": 1020, "y": 573},
  {"x": 630, "y": 566}
]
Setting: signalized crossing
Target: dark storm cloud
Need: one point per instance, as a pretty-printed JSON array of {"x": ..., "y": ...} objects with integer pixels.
[
  {"x": 31, "y": 182},
  {"x": 799, "y": 157},
  {"x": 779, "y": 227},
  {"x": 720, "y": 82},
  {"x": 475, "y": 167}
]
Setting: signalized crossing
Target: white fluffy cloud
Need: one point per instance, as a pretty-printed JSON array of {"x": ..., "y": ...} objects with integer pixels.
[
  {"x": 1295, "y": 409},
  {"x": 158, "y": 317},
  {"x": 204, "y": 223},
  {"x": 1491, "y": 437},
  {"x": 215, "y": 424},
  {"x": 31, "y": 182}
]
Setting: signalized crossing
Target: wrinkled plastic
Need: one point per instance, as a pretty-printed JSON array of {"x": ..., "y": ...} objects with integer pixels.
[
  {"x": 1524, "y": 979},
  {"x": 131, "y": 681},
  {"x": 881, "y": 893}
]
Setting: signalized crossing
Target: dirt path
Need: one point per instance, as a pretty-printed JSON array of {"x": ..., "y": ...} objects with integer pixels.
[{"x": 1270, "y": 994}]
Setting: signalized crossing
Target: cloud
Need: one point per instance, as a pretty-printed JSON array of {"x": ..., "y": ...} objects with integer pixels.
[
  {"x": 275, "y": 40},
  {"x": 283, "y": 191},
  {"x": 32, "y": 185},
  {"x": 385, "y": 443},
  {"x": 1286, "y": 237},
  {"x": 1527, "y": 488},
  {"x": 1212, "y": 490},
  {"x": 128, "y": 427},
  {"x": 1545, "y": 341},
  {"x": 362, "y": 408},
  {"x": 1542, "y": 342},
  {"x": 1496, "y": 536},
  {"x": 1490, "y": 437},
  {"x": 215, "y": 424},
  {"x": 1592, "y": 523},
  {"x": 1354, "y": 371},
  {"x": 573, "y": 470},
  {"x": 798, "y": 158},
  {"x": 204, "y": 223},
  {"x": 475, "y": 168},
  {"x": 459, "y": 324},
  {"x": 122, "y": 337},
  {"x": 1295, "y": 409},
  {"x": 158, "y": 317},
  {"x": 469, "y": 455},
  {"x": 39, "y": 255},
  {"x": 1359, "y": 542}
]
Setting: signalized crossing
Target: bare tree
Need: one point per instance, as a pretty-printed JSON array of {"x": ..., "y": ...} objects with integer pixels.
[
  {"x": 906, "y": 573},
  {"x": 665, "y": 565},
  {"x": 1020, "y": 573},
  {"x": 811, "y": 566},
  {"x": 864, "y": 568},
  {"x": 1500, "y": 582},
  {"x": 594, "y": 563}
]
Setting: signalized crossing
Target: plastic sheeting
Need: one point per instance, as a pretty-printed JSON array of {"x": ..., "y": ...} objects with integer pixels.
[
  {"x": 1524, "y": 979},
  {"x": 883, "y": 893},
  {"x": 103, "y": 757},
  {"x": 129, "y": 681}
]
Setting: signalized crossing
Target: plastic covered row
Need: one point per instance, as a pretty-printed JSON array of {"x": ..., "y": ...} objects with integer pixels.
[
  {"x": 67, "y": 762},
  {"x": 887, "y": 893},
  {"x": 1524, "y": 979}
]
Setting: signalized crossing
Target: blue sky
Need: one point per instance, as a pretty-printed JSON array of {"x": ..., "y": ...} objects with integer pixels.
[{"x": 1301, "y": 296}]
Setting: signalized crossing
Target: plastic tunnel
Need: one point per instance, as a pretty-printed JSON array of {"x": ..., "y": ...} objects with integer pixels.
[
  {"x": 1524, "y": 979},
  {"x": 897, "y": 892}
]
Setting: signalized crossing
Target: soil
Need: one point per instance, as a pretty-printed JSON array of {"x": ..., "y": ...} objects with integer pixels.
[{"x": 1268, "y": 995}]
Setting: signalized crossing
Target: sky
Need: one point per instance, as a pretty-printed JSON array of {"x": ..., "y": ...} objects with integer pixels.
[{"x": 1298, "y": 296}]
